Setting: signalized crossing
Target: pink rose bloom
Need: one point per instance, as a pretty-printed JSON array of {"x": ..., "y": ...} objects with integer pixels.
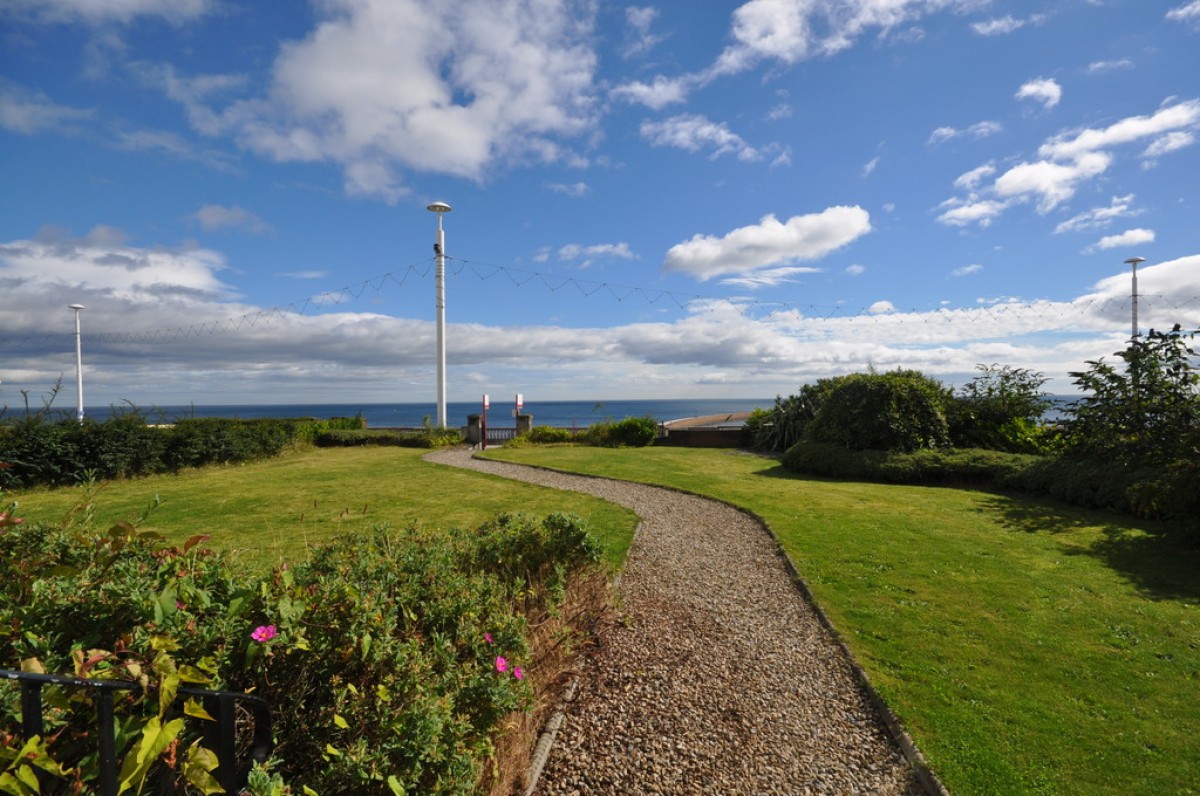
[
  {"x": 501, "y": 664},
  {"x": 487, "y": 637},
  {"x": 264, "y": 633},
  {"x": 518, "y": 673}
]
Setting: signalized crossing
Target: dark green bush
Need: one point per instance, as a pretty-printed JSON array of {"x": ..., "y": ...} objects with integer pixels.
[
  {"x": 380, "y": 656},
  {"x": 544, "y": 435},
  {"x": 426, "y": 438},
  {"x": 632, "y": 432},
  {"x": 897, "y": 411},
  {"x": 1000, "y": 409},
  {"x": 784, "y": 424},
  {"x": 948, "y": 466}
]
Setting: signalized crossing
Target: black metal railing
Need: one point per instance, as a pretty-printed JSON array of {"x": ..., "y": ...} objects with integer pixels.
[{"x": 219, "y": 735}]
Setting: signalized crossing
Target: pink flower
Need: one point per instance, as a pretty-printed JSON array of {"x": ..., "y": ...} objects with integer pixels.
[
  {"x": 487, "y": 637},
  {"x": 518, "y": 673},
  {"x": 264, "y": 633},
  {"x": 501, "y": 664},
  {"x": 6, "y": 520}
]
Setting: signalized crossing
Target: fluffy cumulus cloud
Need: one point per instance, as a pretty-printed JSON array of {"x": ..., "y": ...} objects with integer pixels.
[
  {"x": 486, "y": 83},
  {"x": 768, "y": 244},
  {"x": 1066, "y": 162},
  {"x": 1044, "y": 90},
  {"x": 790, "y": 31}
]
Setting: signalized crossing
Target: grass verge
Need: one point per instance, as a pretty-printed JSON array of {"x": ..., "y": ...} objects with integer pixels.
[
  {"x": 272, "y": 511},
  {"x": 1028, "y": 647}
]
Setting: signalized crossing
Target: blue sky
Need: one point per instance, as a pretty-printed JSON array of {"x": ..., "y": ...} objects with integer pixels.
[{"x": 668, "y": 200}]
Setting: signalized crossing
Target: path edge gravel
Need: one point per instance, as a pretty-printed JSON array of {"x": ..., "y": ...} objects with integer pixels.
[{"x": 892, "y": 723}]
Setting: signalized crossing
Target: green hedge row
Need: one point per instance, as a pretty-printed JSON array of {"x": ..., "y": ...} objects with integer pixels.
[
  {"x": 38, "y": 452},
  {"x": 388, "y": 659},
  {"x": 1170, "y": 493},
  {"x": 427, "y": 438}
]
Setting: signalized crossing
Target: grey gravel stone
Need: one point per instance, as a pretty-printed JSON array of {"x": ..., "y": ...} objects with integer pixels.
[{"x": 719, "y": 679}]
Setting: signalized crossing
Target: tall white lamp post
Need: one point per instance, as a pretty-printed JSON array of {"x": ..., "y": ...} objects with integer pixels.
[
  {"x": 78, "y": 363},
  {"x": 439, "y": 249},
  {"x": 1133, "y": 261}
]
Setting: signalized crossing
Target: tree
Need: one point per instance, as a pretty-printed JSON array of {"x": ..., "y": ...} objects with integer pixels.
[
  {"x": 1145, "y": 413},
  {"x": 1000, "y": 409},
  {"x": 903, "y": 410}
]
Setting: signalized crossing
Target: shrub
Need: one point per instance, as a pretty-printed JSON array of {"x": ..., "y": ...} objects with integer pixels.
[
  {"x": 897, "y": 411},
  {"x": 388, "y": 659},
  {"x": 632, "y": 432},
  {"x": 948, "y": 466},
  {"x": 543, "y": 435},
  {"x": 1000, "y": 409},
  {"x": 782, "y": 426}
]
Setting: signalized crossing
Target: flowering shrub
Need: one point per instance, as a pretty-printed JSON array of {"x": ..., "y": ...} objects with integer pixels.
[{"x": 388, "y": 658}]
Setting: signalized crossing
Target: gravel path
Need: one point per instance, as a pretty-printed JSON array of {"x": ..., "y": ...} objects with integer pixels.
[{"x": 720, "y": 679}]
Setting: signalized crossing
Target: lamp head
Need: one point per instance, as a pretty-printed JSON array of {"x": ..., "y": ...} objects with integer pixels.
[
  {"x": 75, "y": 307},
  {"x": 438, "y": 207},
  {"x": 1135, "y": 260}
]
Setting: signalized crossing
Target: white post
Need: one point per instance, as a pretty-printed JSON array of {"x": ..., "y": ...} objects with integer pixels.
[
  {"x": 439, "y": 249},
  {"x": 78, "y": 364},
  {"x": 1133, "y": 261}
]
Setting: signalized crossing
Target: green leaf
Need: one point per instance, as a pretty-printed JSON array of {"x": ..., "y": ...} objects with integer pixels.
[
  {"x": 395, "y": 785},
  {"x": 331, "y": 751},
  {"x": 155, "y": 739},
  {"x": 310, "y": 792},
  {"x": 192, "y": 707},
  {"x": 341, "y": 722}
]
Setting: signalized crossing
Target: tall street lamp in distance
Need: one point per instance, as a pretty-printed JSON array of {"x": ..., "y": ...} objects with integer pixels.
[
  {"x": 439, "y": 249},
  {"x": 1133, "y": 261},
  {"x": 78, "y": 363}
]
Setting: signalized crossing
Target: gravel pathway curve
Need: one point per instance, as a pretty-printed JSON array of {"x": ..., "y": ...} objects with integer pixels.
[{"x": 720, "y": 679}]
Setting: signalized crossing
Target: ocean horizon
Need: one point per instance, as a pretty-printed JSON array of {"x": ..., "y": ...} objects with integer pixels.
[{"x": 566, "y": 414}]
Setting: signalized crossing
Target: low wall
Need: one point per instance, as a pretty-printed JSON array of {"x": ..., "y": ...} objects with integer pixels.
[{"x": 702, "y": 438}]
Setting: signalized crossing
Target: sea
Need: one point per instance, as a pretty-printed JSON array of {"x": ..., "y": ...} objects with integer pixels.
[{"x": 565, "y": 414}]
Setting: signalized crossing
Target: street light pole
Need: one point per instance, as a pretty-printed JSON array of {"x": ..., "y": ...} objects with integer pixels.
[
  {"x": 78, "y": 363},
  {"x": 1133, "y": 261},
  {"x": 439, "y": 249}
]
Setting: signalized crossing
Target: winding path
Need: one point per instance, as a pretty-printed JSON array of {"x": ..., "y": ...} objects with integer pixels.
[{"x": 720, "y": 679}]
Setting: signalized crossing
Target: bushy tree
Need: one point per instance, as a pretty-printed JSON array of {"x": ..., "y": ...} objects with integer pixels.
[
  {"x": 1144, "y": 411},
  {"x": 903, "y": 410},
  {"x": 782, "y": 426},
  {"x": 1000, "y": 409}
]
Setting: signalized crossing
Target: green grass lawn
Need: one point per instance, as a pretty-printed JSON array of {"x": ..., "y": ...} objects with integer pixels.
[
  {"x": 271, "y": 511},
  {"x": 1028, "y": 647}
]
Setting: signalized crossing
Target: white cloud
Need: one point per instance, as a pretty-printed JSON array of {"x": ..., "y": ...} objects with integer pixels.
[
  {"x": 577, "y": 190},
  {"x": 1181, "y": 115},
  {"x": 855, "y": 270},
  {"x": 1099, "y": 217},
  {"x": 881, "y": 308},
  {"x": 966, "y": 270},
  {"x": 1169, "y": 142},
  {"x": 1132, "y": 237},
  {"x": 169, "y": 143},
  {"x": 695, "y": 133},
  {"x": 980, "y": 212},
  {"x": 998, "y": 26},
  {"x": 870, "y": 167},
  {"x": 639, "y": 39},
  {"x": 214, "y": 217},
  {"x": 1043, "y": 89},
  {"x": 1188, "y": 12},
  {"x": 1069, "y": 160},
  {"x": 589, "y": 254},
  {"x": 28, "y": 112},
  {"x": 305, "y": 274},
  {"x": 969, "y": 181},
  {"x": 978, "y": 130},
  {"x": 485, "y": 83},
  {"x": 1051, "y": 183},
  {"x": 1108, "y": 66},
  {"x": 657, "y": 94},
  {"x": 769, "y": 277},
  {"x": 98, "y": 11},
  {"x": 769, "y": 243}
]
